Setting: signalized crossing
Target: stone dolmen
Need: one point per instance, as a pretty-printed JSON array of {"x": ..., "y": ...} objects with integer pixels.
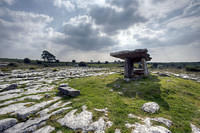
[{"x": 131, "y": 57}]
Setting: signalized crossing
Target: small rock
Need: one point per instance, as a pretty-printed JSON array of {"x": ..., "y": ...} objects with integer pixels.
[
  {"x": 167, "y": 122},
  {"x": 46, "y": 129},
  {"x": 68, "y": 91},
  {"x": 195, "y": 129},
  {"x": 117, "y": 86},
  {"x": 111, "y": 90},
  {"x": 117, "y": 131},
  {"x": 127, "y": 79},
  {"x": 150, "y": 107},
  {"x": 120, "y": 93},
  {"x": 47, "y": 95},
  {"x": 7, "y": 123}
]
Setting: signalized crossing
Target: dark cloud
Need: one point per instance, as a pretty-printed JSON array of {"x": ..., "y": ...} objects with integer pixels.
[
  {"x": 112, "y": 20},
  {"x": 84, "y": 37}
]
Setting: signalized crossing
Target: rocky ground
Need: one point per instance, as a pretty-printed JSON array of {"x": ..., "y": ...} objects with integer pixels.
[{"x": 29, "y": 99}]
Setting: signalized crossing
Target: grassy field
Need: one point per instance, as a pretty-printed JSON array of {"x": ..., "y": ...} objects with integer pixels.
[{"x": 179, "y": 100}]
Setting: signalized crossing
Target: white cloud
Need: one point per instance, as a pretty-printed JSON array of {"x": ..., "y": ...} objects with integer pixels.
[
  {"x": 67, "y": 4},
  {"x": 160, "y": 8},
  {"x": 25, "y": 34}
]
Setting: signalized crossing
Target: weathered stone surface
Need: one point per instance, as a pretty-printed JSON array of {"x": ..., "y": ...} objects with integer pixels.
[
  {"x": 195, "y": 129},
  {"x": 84, "y": 121},
  {"x": 79, "y": 121},
  {"x": 9, "y": 96},
  {"x": 7, "y": 123},
  {"x": 150, "y": 107},
  {"x": 167, "y": 122},
  {"x": 147, "y": 127},
  {"x": 46, "y": 129},
  {"x": 10, "y": 87},
  {"x": 68, "y": 91},
  {"x": 23, "y": 114},
  {"x": 28, "y": 126},
  {"x": 13, "y": 108},
  {"x": 32, "y": 97}
]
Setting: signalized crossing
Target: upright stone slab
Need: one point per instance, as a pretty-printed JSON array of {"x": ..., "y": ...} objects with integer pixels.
[{"x": 128, "y": 68}]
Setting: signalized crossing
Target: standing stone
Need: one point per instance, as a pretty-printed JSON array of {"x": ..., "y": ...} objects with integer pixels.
[
  {"x": 146, "y": 73},
  {"x": 7, "y": 123},
  {"x": 128, "y": 68},
  {"x": 150, "y": 107}
]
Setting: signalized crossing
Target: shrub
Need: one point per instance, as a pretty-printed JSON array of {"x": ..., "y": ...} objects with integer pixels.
[
  {"x": 82, "y": 64},
  {"x": 12, "y": 64},
  {"x": 193, "y": 68},
  {"x": 38, "y": 62},
  {"x": 27, "y": 61}
]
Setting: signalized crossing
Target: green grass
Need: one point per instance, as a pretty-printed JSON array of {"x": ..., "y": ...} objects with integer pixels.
[{"x": 179, "y": 99}]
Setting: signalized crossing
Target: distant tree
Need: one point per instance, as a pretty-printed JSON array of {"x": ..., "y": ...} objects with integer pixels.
[
  {"x": 12, "y": 64},
  {"x": 91, "y": 61},
  {"x": 57, "y": 61},
  {"x": 47, "y": 56},
  {"x": 27, "y": 60},
  {"x": 99, "y": 62},
  {"x": 155, "y": 65},
  {"x": 38, "y": 62},
  {"x": 106, "y": 62},
  {"x": 73, "y": 61},
  {"x": 82, "y": 64}
]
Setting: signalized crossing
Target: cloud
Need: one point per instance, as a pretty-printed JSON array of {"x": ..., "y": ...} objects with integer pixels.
[
  {"x": 22, "y": 33},
  {"x": 81, "y": 33},
  {"x": 64, "y": 3},
  {"x": 112, "y": 19},
  {"x": 9, "y": 2}
]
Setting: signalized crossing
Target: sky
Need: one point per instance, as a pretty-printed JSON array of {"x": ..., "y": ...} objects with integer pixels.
[{"x": 87, "y": 30}]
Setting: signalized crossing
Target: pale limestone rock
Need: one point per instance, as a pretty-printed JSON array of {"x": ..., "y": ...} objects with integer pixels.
[
  {"x": 46, "y": 129},
  {"x": 195, "y": 129},
  {"x": 7, "y": 123},
  {"x": 150, "y": 107}
]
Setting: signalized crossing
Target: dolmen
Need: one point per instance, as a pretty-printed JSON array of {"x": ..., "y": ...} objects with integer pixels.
[{"x": 65, "y": 90}]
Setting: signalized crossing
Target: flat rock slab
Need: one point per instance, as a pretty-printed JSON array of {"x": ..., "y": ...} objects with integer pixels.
[
  {"x": 23, "y": 114},
  {"x": 13, "y": 108},
  {"x": 46, "y": 129},
  {"x": 7, "y": 123},
  {"x": 150, "y": 107},
  {"x": 68, "y": 91}
]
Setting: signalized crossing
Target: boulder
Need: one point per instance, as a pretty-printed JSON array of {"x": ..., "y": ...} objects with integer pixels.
[
  {"x": 7, "y": 123},
  {"x": 68, "y": 91},
  {"x": 150, "y": 107}
]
